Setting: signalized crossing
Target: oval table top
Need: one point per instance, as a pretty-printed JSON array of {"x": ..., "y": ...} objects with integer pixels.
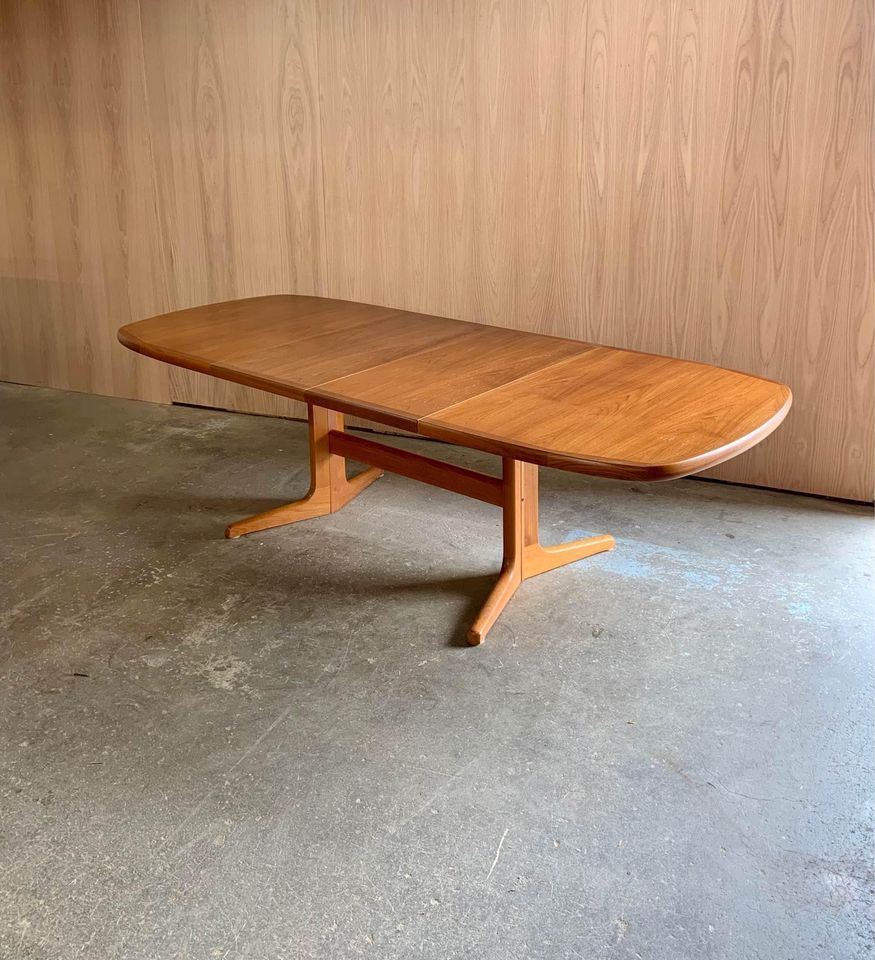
[{"x": 547, "y": 400}]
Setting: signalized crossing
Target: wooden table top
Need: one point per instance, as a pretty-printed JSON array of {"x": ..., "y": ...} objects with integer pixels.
[{"x": 547, "y": 400}]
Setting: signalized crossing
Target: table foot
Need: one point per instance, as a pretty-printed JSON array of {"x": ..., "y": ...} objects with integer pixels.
[
  {"x": 524, "y": 557},
  {"x": 329, "y": 487},
  {"x": 538, "y": 559},
  {"x": 505, "y": 587}
]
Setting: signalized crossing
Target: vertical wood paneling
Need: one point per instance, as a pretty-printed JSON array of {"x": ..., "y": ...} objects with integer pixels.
[
  {"x": 77, "y": 248},
  {"x": 233, "y": 105},
  {"x": 397, "y": 86},
  {"x": 519, "y": 61},
  {"x": 684, "y": 176},
  {"x": 786, "y": 300},
  {"x": 834, "y": 424}
]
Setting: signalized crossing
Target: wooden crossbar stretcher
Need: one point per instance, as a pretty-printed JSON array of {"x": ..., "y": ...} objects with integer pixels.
[{"x": 529, "y": 398}]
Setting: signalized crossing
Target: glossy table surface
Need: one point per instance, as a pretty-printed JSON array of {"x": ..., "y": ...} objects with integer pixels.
[{"x": 546, "y": 400}]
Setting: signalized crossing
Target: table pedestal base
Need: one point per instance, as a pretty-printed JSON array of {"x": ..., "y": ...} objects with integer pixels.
[
  {"x": 524, "y": 557},
  {"x": 516, "y": 492},
  {"x": 329, "y": 488}
]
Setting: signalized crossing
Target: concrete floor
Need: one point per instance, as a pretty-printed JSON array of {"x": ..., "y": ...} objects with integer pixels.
[{"x": 279, "y": 747}]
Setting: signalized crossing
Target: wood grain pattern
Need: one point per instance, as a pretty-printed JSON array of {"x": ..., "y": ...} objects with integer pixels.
[
  {"x": 234, "y": 110},
  {"x": 77, "y": 248},
  {"x": 692, "y": 178},
  {"x": 415, "y": 385},
  {"x": 597, "y": 410},
  {"x": 624, "y": 414},
  {"x": 287, "y": 344},
  {"x": 398, "y": 111}
]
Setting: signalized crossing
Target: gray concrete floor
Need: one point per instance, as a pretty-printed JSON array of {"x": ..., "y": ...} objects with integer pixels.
[{"x": 279, "y": 747}]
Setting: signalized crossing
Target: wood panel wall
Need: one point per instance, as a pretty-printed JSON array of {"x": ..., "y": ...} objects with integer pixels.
[{"x": 692, "y": 177}]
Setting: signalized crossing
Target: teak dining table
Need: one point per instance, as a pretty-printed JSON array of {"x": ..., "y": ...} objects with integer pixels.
[{"x": 531, "y": 399}]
